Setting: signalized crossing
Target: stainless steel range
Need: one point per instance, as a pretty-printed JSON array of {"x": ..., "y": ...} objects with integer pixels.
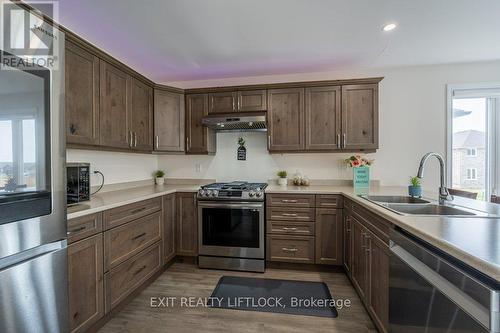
[{"x": 231, "y": 224}]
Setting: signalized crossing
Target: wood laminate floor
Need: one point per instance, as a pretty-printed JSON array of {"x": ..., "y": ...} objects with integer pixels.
[{"x": 184, "y": 280}]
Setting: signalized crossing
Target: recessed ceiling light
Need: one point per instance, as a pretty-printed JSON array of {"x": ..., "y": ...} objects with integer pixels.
[{"x": 389, "y": 27}]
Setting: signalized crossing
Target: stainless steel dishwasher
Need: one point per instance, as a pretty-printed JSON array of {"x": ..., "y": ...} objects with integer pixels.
[{"x": 430, "y": 292}]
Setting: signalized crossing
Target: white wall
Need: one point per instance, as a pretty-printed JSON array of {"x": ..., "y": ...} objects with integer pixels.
[
  {"x": 259, "y": 165},
  {"x": 116, "y": 167},
  {"x": 412, "y": 122}
]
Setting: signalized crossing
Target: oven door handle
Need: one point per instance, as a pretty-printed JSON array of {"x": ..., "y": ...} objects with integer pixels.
[
  {"x": 228, "y": 205},
  {"x": 457, "y": 296}
]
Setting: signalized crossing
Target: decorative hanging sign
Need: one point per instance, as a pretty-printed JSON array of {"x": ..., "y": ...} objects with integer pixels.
[{"x": 242, "y": 151}]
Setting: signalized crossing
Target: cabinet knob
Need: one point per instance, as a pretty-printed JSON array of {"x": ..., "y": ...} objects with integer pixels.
[{"x": 72, "y": 128}]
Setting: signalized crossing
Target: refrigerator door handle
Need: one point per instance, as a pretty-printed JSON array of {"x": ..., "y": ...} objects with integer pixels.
[{"x": 38, "y": 251}]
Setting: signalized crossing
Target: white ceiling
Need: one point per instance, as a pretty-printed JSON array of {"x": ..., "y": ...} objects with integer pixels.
[{"x": 179, "y": 40}]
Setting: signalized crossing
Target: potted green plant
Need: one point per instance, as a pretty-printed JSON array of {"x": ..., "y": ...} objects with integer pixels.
[
  {"x": 415, "y": 190},
  {"x": 282, "y": 178},
  {"x": 159, "y": 177}
]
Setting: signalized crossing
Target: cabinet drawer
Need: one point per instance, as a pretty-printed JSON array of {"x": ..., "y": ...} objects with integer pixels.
[
  {"x": 290, "y": 248},
  {"x": 290, "y": 214},
  {"x": 120, "y": 215},
  {"x": 124, "y": 241},
  {"x": 287, "y": 200},
  {"x": 329, "y": 201},
  {"x": 290, "y": 228},
  {"x": 83, "y": 227},
  {"x": 128, "y": 276}
]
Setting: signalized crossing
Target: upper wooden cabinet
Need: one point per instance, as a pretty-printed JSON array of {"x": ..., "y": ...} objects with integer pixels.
[
  {"x": 252, "y": 100},
  {"x": 169, "y": 121},
  {"x": 115, "y": 86},
  {"x": 360, "y": 116},
  {"x": 199, "y": 139},
  {"x": 236, "y": 101},
  {"x": 285, "y": 119},
  {"x": 322, "y": 118},
  {"x": 223, "y": 102},
  {"x": 82, "y": 96},
  {"x": 141, "y": 116}
]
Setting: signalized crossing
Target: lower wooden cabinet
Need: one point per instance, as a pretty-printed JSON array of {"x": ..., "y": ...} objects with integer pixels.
[
  {"x": 328, "y": 236},
  {"x": 359, "y": 258},
  {"x": 85, "y": 279},
  {"x": 367, "y": 264},
  {"x": 299, "y": 249},
  {"x": 378, "y": 281},
  {"x": 347, "y": 242},
  {"x": 168, "y": 227},
  {"x": 122, "y": 280},
  {"x": 186, "y": 224},
  {"x": 122, "y": 242}
]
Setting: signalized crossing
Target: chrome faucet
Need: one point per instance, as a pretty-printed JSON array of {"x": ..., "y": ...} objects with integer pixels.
[{"x": 444, "y": 194}]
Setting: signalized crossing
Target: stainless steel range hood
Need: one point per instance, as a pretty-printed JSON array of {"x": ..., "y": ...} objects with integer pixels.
[{"x": 237, "y": 122}]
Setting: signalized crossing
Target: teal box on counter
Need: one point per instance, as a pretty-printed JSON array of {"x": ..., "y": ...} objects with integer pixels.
[{"x": 361, "y": 177}]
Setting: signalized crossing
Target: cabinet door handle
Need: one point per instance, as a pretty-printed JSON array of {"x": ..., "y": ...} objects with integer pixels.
[
  {"x": 239, "y": 103},
  {"x": 157, "y": 139},
  {"x": 289, "y": 229},
  {"x": 76, "y": 230},
  {"x": 289, "y": 214},
  {"x": 289, "y": 250},
  {"x": 344, "y": 140},
  {"x": 138, "y": 210},
  {"x": 139, "y": 236},
  {"x": 139, "y": 270},
  {"x": 130, "y": 139},
  {"x": 234, "y": 107},
  {"x": 135, "y": 139},
  {"x": 288, "y": 201},
  {"x": 339, "y": 145},
  {"x": 269, "y": 141},
  {"x": 187, "y": 143}
]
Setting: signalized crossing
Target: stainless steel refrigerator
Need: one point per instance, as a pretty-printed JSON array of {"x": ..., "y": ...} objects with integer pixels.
[{"x": 33, "y": 254}]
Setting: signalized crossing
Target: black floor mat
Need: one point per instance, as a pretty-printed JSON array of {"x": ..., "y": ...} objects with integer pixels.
[{"x": 270, "y": 295}]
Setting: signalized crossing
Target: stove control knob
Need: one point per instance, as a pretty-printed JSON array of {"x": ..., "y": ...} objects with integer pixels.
[
  {"x": 251, "y": 194},
  {"x": 215, "y": 193},
  {"x": 258, "y": 194},
  {"x": 202, "y": 193}
]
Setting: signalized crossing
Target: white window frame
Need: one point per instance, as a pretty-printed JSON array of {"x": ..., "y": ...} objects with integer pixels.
[
  {"x": 471, "y": 174},
  {"x": 492, "y": 178},
  {"x": 473, "y": 150}
]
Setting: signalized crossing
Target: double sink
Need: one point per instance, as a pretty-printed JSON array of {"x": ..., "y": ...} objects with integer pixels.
[{"x": 406, "y": 205}]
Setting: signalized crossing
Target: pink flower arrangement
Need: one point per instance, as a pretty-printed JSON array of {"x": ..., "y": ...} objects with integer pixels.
[{"x": 356, "y": 161}]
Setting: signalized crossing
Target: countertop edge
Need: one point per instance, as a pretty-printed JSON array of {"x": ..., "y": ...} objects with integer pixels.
[{"x": 125, "y": 202}]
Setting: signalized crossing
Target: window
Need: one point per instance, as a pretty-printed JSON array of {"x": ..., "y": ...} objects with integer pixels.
[
  {"x": 18, "y": 153},
  {"x": 471, "y": 174},
  {"x": 474, "y": 138},
  {"x": 471, "y": 152}
]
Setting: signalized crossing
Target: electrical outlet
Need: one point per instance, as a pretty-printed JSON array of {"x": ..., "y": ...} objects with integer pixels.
[{"x": 197, "y": 167}]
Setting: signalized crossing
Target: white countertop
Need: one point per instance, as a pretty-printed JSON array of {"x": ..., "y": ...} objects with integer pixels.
[
  {"x": 107, "y": 200},
  {"x": 474, "y": 240}
]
